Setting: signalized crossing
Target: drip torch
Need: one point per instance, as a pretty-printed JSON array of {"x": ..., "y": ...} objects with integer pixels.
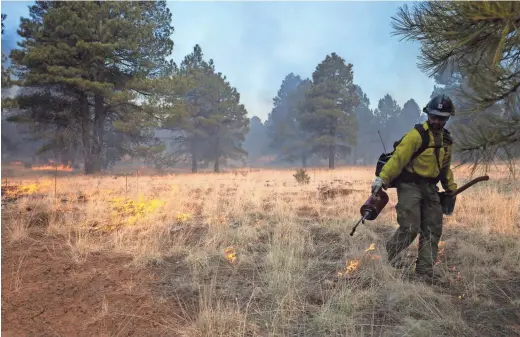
[
  {"x": 372, "y": 207},
  {"x": 378, "y": 200}
]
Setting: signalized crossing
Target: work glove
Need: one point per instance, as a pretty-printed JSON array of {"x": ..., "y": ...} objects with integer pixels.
[
  {"x": 377, "y": 185},
  {"x": 447, "y": 202}
]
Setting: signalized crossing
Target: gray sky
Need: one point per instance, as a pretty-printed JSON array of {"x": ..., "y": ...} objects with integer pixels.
[{"x": 256, "y": 44}]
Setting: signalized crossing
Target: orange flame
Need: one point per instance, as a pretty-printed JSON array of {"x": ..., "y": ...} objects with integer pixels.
[
  {"x": 350, "y": 267},
  {"x": 52, "y": 168},
  {"x": 353, "y": 265},
  {"x": 442, "y": 245},
  {"x": 230, "y": 254},
  {"x": 372, "y": 247}
]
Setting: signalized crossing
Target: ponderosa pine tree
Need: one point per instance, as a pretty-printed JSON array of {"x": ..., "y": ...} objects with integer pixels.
[
  {"x": 297, "y": 143},
  {"x": 85, "y": 64},
  {"x": 5, "y": 70},
  {"x": 328, "y": 113},
  {"x": 204, "y": 113},
  {"x": 368, "y": 143},
  {"x": 279, "y": 122},
  {"x": 227, "y": 122},
  {"x": 387, "y": 118},
  {"x": 255, "y": 142},
  {"x": 186, "y": 93}
]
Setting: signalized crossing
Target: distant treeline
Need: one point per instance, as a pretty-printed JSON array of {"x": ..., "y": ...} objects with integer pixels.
[{"x": 90, "y": 83}]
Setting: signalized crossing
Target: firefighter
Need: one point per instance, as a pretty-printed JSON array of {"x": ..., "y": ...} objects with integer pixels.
[{"x": 418, "y": 209}]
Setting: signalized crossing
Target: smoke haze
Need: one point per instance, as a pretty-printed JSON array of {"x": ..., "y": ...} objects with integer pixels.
[{"x": 255, "y": 45}]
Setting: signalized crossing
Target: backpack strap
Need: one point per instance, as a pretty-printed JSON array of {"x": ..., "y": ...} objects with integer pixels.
[
  {"x": 425, "y": 140},
  {"x": 446, "y": 139}
]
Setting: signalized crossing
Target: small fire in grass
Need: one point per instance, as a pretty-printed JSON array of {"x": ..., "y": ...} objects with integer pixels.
[
  {"x": 459, "y": 275},
  {"x": 134, "y": 210},
  {"x": 183, "y": 217},
  {"x": 372, "y": 247},
  {"x": 61, "y": 168},
  {"x": 230, "y": 254},
  {"x": 372, "y": 256},
  {"x": 440, "y": 253},
  {"x": 353, "y": 265},
  {"x": 17, "y": 191}
]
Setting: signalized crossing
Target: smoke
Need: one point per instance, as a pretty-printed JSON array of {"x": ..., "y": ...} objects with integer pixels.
[{"x": 256, "y": 44}]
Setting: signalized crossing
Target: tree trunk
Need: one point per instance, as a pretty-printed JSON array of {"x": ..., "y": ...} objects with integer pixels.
[
  {"x": 217, "y": 156},
  {"x": 74, "y": 154},
  {"x": 65, "y": 156},
  {"x": 85, "y": 133},
  {"x": 194, "y": 152},
  {"x": 93, "y": 145},
  {"x": 193, "y": 164},
  {"x": 217, "y": 167},
  {"x": 331, "y": 156}
]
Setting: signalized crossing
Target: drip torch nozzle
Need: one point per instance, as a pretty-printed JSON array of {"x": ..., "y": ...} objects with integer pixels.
[{"x": 362, "y": 220}]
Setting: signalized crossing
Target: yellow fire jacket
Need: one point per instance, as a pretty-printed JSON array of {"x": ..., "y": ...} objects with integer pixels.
[{"x": 425, "y": 164}]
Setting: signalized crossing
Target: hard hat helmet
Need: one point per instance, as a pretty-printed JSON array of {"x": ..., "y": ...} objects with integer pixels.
[{"x": 440, "y": 105}]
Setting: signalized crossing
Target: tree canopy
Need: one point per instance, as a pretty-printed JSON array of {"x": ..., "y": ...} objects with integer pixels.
[
  {"x": 328, "y": 112},
  {"x": 97, "y": 82},
  {"x": 203, "y": 112},
  {"x": 480, "y": 41},
  {"x": 83, "y": 65}
]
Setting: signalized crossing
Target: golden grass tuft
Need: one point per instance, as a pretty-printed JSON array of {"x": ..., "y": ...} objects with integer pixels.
[{"x": 258, "y": 254}]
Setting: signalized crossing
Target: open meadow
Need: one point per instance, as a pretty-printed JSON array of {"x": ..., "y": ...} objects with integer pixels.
[{"x": 246, "y": 253}]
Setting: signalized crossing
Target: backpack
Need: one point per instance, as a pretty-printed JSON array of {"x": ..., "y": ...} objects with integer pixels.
[{"x": 385, "y": 157}]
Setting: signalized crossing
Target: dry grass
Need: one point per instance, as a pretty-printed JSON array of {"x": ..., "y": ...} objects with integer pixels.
[{"x": 290, "y": 242}]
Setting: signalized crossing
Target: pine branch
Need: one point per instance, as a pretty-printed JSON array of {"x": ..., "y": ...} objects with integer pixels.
[{"x": 478, "y": 143}]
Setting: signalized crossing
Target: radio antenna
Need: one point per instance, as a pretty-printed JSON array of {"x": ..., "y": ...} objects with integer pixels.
[{"x": 381, "y": 140}]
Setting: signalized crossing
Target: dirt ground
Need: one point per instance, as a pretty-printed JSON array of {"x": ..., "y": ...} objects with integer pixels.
[{"x": 44, "y": 293}]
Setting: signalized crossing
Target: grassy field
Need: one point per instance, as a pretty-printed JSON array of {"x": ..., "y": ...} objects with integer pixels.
[{"x": 248, "y": 253}]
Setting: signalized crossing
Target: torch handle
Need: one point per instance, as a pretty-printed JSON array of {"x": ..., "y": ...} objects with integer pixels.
[{"x": 469, "y": 184}]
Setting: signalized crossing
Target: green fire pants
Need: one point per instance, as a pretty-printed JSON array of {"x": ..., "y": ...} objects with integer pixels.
[{"x": 418, "y": 212}]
